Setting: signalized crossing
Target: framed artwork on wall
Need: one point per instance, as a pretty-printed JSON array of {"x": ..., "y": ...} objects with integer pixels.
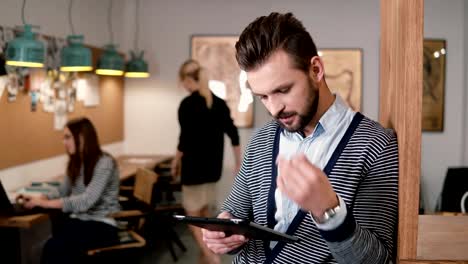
[
  {"x": 433, "y": 85},
  {"x": 343, "y": 73},
  {"x": 226, "y": 80}
]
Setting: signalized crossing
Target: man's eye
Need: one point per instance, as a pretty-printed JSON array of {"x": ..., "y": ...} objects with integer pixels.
[{"x": 285, "y": 90}]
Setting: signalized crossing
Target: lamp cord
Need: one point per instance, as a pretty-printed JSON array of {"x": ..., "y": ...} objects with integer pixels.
[
  {"x": 109, "y": 22},
  {"x": 70, "y": 21},
  {"x": 137, "y": 26},
  {"x": 22, "y": 12}
]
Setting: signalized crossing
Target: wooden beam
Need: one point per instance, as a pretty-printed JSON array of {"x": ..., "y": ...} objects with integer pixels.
[{"x": 400, "y": 105}]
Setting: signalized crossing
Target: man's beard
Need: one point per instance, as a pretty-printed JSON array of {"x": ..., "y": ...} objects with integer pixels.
[{"x": 309, "y": 111}]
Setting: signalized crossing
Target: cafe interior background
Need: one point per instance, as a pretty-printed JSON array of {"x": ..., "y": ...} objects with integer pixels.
[{"x": 166, "y": 30}]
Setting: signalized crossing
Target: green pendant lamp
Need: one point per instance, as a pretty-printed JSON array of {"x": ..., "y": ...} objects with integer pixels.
[
  {"x": 25, "y": 51},
  {"x": 136, "y": 67},
  {"x": 110, "y": 62},
  {"x": 75, "y": 57}
]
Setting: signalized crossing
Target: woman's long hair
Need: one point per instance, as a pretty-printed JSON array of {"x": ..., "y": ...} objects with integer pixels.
[
  {"x": 87, "y": 149},
  {"x": 192, "y": 69}
]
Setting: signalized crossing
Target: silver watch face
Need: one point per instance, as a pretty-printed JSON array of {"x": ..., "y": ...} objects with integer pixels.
[{"x": 328, "y": 214}]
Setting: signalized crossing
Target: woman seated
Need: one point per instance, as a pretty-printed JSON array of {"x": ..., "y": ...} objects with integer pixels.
[{"x": 89, "y": 193}]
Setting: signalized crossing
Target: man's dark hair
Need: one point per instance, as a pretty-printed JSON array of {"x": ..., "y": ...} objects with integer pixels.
[{"x": 267, "y": 34}]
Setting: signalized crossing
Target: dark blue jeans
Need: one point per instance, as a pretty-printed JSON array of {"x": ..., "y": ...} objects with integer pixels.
[{"x": 72, "y": 238}]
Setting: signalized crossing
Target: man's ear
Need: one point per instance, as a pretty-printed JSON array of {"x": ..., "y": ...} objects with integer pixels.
[{"x": 316, "y": 70}]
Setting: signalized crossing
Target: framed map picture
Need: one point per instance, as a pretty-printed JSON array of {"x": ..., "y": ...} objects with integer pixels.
[
  {"x": 343, "y": 73},
  {"x": 433, "y": 85},
  {"x": 227, "y": 81}
]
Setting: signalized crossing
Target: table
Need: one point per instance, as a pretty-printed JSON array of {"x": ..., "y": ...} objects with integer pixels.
[
  {"x": 26, "y": 221},
  {"x": 22, "y": 238},
  {"x": 128, "y": 164},
  {"x": 443, "y": 237}
]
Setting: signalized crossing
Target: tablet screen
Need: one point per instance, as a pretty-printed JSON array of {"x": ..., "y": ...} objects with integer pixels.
[{"x": 244, "y": 227}]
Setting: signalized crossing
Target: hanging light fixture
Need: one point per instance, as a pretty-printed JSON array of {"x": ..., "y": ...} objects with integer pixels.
[
  {"x": 75, "y": 57},
  {"x": 110, "y": 62},
  {"x": 24, "y": 50},
  {"x": 137, "y": 66}
]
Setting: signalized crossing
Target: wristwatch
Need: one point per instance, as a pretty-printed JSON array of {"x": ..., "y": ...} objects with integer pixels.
[{"x": 327, "y": 215}]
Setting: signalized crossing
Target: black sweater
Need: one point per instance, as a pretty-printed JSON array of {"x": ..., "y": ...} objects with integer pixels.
[{"x": 201, "y": 138}]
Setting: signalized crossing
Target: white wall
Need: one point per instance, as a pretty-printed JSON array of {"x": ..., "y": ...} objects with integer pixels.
[
  {"x": 440, "y": 150},
  {"x": 90, "y": 19},
  {"x": 14, "y": 177},
  {"x": 166, "y": 26}
]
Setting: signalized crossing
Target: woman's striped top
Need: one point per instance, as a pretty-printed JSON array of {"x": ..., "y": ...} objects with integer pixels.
[
  {"x": 96, "y": 200},
  {"x": 363, "y": 170}
]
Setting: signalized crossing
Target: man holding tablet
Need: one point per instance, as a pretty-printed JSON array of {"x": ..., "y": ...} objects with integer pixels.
[{"x": 320, "y": 171}]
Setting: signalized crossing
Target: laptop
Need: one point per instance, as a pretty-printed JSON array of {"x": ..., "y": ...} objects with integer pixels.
[{"x": 13, "y": 209}]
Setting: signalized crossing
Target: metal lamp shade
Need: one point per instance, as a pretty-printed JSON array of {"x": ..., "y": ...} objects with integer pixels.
[
  {"x": 76, "y": 57},
  {"x": 110, "y": 62},
  {"x": 137, "y": 67},
  {"x": 25, "y": 51}
]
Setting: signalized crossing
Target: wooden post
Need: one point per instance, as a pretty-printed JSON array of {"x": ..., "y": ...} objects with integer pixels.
[{"x": 401, "y": 74}]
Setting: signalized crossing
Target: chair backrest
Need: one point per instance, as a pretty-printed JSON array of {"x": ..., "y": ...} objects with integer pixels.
[
  {"x": 144, "y": 181},
  {"x": 143, "y": 188},
  {"x": 464, "y": 202},
  {"x": 455, "y": 186}
]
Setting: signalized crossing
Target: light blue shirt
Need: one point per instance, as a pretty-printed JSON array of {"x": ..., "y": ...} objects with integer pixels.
[{"x": 318, "y": 148}]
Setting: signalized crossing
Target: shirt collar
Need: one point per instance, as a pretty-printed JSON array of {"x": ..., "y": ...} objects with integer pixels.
[
  {"x": 328, "y": 121},
  {"x": 333, "y": 115}
]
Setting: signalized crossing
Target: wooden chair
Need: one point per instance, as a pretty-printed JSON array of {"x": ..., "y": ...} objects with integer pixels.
[
  {"x": 164, "y": 210},
  {"x": 463, "y": 203},
  {"x": 134, "y": 219},
  {"x": 455, "y": 186},
  {"x": 164, "y": 190},
  {"x": 160, "y": 225}
]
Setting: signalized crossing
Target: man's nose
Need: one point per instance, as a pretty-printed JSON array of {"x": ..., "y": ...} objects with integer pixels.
[{"x": 275, "y": 107}]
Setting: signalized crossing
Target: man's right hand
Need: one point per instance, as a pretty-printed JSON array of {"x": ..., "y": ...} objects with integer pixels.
[{"x": 218, "y": 242}]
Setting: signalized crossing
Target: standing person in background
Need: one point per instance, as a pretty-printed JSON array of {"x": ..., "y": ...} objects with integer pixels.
[
  {"x": 318, "y": 171},
  {"x": 204, "y": 119},
  {"x": 89, "y": 193}
]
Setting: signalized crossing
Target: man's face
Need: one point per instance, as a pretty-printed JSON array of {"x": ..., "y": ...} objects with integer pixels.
[{"x": 289, "y": 94}]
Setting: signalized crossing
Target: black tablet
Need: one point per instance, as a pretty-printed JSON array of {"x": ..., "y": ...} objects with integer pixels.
[{"x": 247, "y": 228}]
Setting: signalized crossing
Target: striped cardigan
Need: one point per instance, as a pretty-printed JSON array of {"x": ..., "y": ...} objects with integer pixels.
[{"x": 363, "y": 170}]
